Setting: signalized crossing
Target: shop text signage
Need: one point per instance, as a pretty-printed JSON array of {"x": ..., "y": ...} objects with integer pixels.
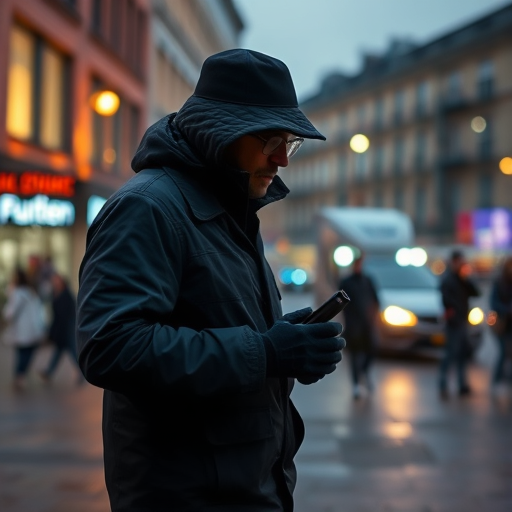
[
  {"x": 30, "y": 183},
  {"x": 39, "y": 210}
]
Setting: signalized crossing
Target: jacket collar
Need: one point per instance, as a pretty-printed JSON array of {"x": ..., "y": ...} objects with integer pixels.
[{"x": 205, "y": 205}]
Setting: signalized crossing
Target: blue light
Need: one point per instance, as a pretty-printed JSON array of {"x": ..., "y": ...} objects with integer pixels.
[
  {"x": 285, "y": 275},
  {"x": 299, "y": 277}
]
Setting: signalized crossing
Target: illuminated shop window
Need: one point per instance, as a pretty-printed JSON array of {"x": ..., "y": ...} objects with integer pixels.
[
  {"x": 37, "y": 91},
  {"x": 20, "y": 84}
]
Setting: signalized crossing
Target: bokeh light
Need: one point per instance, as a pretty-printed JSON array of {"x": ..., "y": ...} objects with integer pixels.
[
  {"x": 359, "y": 143},
  {"x": 478, "y": 124},
  {"x": 105, "y": 103},
  {"x": 476, "y": 316},
  {"x": 506, "y": 165},
  {"x": 343, "y": 256}
]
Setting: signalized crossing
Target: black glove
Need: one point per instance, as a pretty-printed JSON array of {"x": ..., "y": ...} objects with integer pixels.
[{"x": 307, "y": 352}]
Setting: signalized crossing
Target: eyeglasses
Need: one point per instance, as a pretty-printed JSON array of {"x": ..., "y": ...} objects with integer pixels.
[{"x": 271, "y": 145}]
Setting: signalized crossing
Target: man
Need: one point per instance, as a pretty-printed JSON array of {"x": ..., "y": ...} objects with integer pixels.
[
  {"x": 456, "y": 289},
  {"x": 179, "y": 316},
  {"x": 360, "y": 329}
]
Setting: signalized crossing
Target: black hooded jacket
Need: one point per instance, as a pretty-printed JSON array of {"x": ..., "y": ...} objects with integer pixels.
[{"x": 174, "y": 293}]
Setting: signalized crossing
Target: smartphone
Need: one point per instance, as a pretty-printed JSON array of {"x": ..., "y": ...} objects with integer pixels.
[{"x": 329, "y": 309}]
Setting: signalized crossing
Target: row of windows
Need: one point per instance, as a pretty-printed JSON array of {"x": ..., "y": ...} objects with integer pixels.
[
  {"x": 300, "y": 216},
  {"x": 39, "y": 103},
  {"x": 405, "y": 103},
  {"x": 395, "y": 156},
  {"x": 122, "y": 25}
]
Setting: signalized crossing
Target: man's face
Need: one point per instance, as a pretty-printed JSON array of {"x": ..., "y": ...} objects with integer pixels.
[{"x": 246, "y": 154}]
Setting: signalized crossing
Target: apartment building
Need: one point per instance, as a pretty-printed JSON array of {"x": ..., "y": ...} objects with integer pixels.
[{"x": 438, "y": 119}]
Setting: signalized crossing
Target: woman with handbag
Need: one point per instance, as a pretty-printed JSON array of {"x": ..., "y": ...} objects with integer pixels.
[
  {"x": 501, "y": 303},
  {"x": 25, "y": 324}
]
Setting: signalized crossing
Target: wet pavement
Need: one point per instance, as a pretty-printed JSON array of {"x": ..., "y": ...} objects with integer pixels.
[{"x": 400, "y": 449}]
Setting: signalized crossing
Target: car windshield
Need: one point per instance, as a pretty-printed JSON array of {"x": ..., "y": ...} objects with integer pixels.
[{"x": 386, "y": 273}]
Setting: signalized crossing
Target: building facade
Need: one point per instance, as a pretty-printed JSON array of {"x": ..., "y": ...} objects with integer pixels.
[
  {"x": 61, "y": 155},
  {"x": 438, "y": 118},
  {"x": 183, "y": 34}
]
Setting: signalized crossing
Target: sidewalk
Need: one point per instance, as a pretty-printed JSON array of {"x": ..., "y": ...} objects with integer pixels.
[
  {"x": 50, "y": 442},
  {"x": 400, "y": 450}
]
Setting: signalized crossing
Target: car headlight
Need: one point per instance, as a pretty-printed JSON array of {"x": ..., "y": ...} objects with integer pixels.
[
  {"x": 395, "y": 315},
  {"x": 476, "y": 316}
]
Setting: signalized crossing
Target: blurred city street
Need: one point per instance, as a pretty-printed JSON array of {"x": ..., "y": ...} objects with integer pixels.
[{"x": 400, "y": 450}]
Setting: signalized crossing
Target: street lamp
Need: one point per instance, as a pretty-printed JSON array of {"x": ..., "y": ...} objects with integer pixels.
[{"x": 105, "y": 103}]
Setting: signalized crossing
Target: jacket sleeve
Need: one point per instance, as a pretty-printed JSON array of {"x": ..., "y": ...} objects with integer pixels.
[
  {"x": 129, "y": 282},
  {"x": 12, "y": 305}
]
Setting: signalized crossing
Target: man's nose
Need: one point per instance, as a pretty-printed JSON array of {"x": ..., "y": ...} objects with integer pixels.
[{"x": 279, "y": 156}]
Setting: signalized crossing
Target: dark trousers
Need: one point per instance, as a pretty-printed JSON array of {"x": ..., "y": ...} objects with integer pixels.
[
  {"x": 455, "y": 353},
  {"x": 504, "y": 341},
  {"x": 23, "y": 358},
  {"x": 360, "y": 362},
  {"x": 58, "y": 352}
]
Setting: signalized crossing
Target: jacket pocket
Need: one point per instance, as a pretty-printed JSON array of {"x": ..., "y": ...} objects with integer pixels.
[{"x": 244, "y": 448}]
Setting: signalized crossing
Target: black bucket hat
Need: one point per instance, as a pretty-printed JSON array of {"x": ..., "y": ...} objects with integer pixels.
[{"x": 259, "y": 88}]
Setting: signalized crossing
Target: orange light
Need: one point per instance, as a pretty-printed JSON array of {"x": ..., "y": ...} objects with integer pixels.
[
  {"x": 506, "y": 165},
  {"x": 492, "y": 318},
  {"x": 105, "y": 103}
]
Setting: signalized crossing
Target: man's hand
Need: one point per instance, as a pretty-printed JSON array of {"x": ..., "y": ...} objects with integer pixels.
[{"x": 307, "y": 352}]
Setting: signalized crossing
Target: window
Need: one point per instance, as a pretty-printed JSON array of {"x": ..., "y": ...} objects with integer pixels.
[
  {"x": 454, "y": 89},
  {"x": 361, "y": 165},
  {"x": 485, "y": 140},
  {"x": 485, "y": 186},
  {"x": 399, "y": 106},
  {"x": 399, "y": 155},
  {"x": 399, "y": 197},
  {"x": 421, "y": 150},
  {"x": 361, "y": 117},
  {"x": 38, "y": 91},
  {"x": 379, "y": 114},
  {"x": 485, "y": 80},
  {"x": 379, "y": 161},
  {"x": 420, "y": 205},
  {"x": 342, "y": 124},
  {"x": 421, "y": 99},
  {"x": 378, "y": 199},
  {"x": 455, "y": 197},
  {"x": 97, "y": 17}
]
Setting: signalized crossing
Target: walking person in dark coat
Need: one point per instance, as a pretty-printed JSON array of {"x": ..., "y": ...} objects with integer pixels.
[
  {"x": 179, "y": 315},
  {"x": 501, "y": 303},
  {"x": 456, "y": 290},
  {"x": 360, "y": 324},
  {"x": 62, "y": 329}
]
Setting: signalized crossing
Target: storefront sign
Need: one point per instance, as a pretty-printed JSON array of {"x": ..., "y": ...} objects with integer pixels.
[
  {"x": 94, "y": 205},
  {"x": 39, "y": 210},
  {"x": 30, "y": 183},
  {"x": 486, "y": 229}
]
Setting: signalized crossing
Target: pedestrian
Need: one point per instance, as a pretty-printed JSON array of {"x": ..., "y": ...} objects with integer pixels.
[
  {"x": 179, "y": 315},
  {"x": 360, "y": 325},
  {"x": 501, "y": 303},
  {"x": 62, "y": 329},
  {"x": 456, "y": 289},
  {"x": 25, "y": 324}
]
